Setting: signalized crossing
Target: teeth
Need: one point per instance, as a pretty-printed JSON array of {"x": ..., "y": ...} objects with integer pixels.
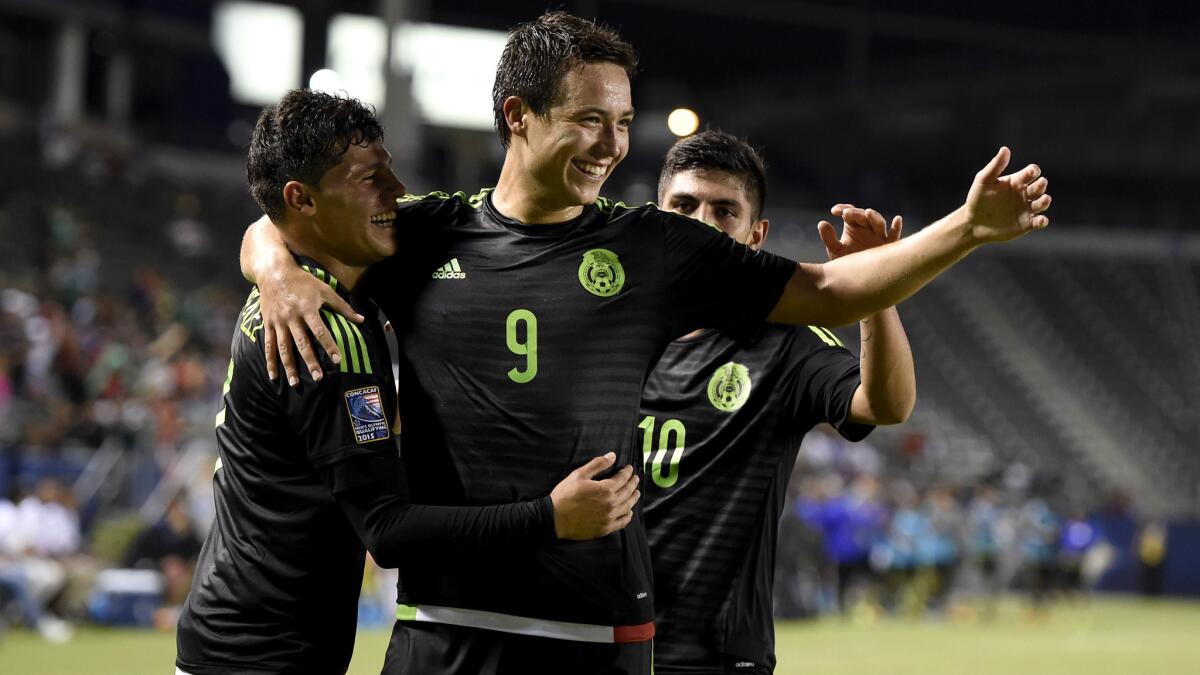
[
  {"x": 596, "y": 170},
  {"x": 383, "y": 218}
]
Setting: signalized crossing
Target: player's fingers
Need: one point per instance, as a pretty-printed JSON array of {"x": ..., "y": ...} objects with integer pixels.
[
  {"x": 1039, "y": 222},
  {"x": 897, "y": 229},
  {"x": 620, "y": 523},
  {"x": 1037, "y": 188},
  {"x": 995, "y": 167},
  {"x": 626, "y": 505},
  {"x": 838, "y": 208},
  {"x": 270, "y": 353},
  {"x": 829, "y": 237},
  {"x": 595, "y": 466},
  {"x": 287, "y": 357},
  {"x": 1031, "y": 173},
  {"x": 335, "y": 302},
  {"x": 303, "y": 342},
  {"x": 876, "y": 222},
  {"x": 1040, "y": 204},
  {"x": 625, "y": 489},
  {"x": 321, "y": 334}
]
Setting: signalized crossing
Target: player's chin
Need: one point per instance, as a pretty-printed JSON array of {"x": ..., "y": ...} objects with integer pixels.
[{"x": 585, "y": 193}]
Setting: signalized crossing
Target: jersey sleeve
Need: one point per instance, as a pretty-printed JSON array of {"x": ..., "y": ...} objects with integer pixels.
[
  {"x": 825, "y": 376},
  {"x": 715, "y": 282},
  {"x": 372, "y": 490},
  {"x": 349, "y": 412}
]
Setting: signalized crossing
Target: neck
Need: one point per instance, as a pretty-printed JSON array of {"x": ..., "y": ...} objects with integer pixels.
[
  {"x": 348, "y": 276},
  {"x": 519, "y": 196}
]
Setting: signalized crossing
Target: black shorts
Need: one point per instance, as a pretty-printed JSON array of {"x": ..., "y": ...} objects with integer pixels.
[{"x": 422, "y": 648}]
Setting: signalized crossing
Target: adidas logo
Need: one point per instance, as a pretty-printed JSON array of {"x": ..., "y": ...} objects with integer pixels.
[{"x": 450, "y": 270}]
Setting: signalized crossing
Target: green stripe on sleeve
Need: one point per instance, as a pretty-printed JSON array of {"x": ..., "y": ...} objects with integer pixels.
[
  {"x": 337, "y": 337},
  {"x": 362, "y": 346},
  {"x": 355, "y": 365}
]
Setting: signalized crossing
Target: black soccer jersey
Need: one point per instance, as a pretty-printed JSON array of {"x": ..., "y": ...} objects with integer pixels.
[
  {"x": 524, "y": 349},
  {"x": 720, "y": 427},
  {"x": 303, "y": 475}
]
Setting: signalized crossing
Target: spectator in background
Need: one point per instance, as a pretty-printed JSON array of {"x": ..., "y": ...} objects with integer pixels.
[
  {"x": 171, "y": 547},
  {"x": 1076, "y": 538},
  {"x": 38, "y": 534},
  {"x": 983, "y": 543},
  {"x": 1038, "y": 530},
  {"x": 938, "y": 549},
  {"x": 1152, "y": 552}
]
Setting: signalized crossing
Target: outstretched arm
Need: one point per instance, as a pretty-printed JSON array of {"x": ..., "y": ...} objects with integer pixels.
[
  {"x": 841, "y": 291},
  {"x": 291, "y": 303},
  {"x": 888, "y": 390}
]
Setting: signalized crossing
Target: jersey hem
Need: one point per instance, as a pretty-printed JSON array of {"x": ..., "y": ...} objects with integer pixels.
[{"x": 524, "y": 625}]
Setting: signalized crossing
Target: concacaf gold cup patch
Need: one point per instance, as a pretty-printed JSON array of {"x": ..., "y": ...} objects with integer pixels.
[
  {"x": 367, "y": 419},
  {"x": 729, "y": 387},
  {"x": 601, "y": 273}
]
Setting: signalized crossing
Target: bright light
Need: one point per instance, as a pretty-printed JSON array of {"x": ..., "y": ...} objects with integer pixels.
[
  {"x": 259, "y": 45},
  {"x": 452, "y": 71},
  {"x": 683, "y": 122},
  {"x": 357, "y": 50},
  {"x": 326, "y": 80}
]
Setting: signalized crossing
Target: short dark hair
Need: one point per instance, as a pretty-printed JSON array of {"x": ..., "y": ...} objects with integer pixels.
[
  {"x": 714, "y": 150},
  {"x": 540, "y": 52},
  {"x": 302, "y": 137}
]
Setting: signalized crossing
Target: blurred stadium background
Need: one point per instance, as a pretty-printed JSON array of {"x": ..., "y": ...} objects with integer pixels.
[{"x": 1049, "y": 477}]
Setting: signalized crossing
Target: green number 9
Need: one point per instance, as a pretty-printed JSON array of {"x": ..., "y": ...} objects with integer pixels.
[{"x": 528, "y": 348}]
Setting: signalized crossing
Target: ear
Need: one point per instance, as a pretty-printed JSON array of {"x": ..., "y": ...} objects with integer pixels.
[
  {"x": 758, "y": 234},
  {"x": 296, "y": 196},
  {"x": 515, "y": 115}
]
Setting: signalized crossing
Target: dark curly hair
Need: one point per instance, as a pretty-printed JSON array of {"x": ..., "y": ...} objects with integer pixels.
[
  {"x": 302, "y": 137},
  {"x": 538, "y": 53},
  {"x": 718, "y": 151}
]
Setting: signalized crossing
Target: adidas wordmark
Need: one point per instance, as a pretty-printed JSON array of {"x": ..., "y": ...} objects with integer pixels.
[{"x": 450, "y": 270}]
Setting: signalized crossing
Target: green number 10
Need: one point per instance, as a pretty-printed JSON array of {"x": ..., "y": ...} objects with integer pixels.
[
  {"x": 528, "y": 348},
  {"x": 655, "y": 469}
]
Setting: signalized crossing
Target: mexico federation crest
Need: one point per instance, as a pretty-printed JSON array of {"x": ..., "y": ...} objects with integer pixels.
[
  {"x": 601, "y": 273},
  {"x": 367, "y": 420},
  {"x": 729, "y": 387}
]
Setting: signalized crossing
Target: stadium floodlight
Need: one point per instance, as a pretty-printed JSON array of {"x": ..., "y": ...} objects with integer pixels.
[
  {"x": 452, "y": 70},
  {"x": 259, "y": 44},
  {"x": 683, "y": 122},
  {"x": 328, "y": 81},
  {"x": 357, "y": 50}
]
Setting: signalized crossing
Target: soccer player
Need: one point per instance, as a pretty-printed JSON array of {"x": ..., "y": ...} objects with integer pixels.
[
  {"x": 722, "y": 418},
  {"x": 528, "y": 317},
  {"x": 308, "y": 473}
]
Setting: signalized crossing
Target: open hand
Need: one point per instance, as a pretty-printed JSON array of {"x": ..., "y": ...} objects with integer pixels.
[
  {"x": 861, "y": 230},
  {"x": 585, "y": 508},
  {"x": 1000, "y": 208},
  {"x": 291, "y": 310}
]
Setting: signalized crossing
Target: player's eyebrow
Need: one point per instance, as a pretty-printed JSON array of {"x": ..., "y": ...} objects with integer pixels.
[
  {"x": 363, "y": 169},
  {"x": 603, "y": 111}
]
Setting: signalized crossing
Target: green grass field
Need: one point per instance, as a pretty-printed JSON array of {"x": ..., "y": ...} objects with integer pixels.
[{"x": 1106, "y": 637}]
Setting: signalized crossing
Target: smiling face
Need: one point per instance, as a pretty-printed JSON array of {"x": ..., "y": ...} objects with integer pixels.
[
  {"x": 354, "y": 206},
  {"x": 571, "y": 150},
  {"x": 717, "y": 198}
]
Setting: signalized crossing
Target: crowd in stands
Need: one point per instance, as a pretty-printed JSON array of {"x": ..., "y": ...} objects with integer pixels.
[{"x": 881, "y": 540}]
